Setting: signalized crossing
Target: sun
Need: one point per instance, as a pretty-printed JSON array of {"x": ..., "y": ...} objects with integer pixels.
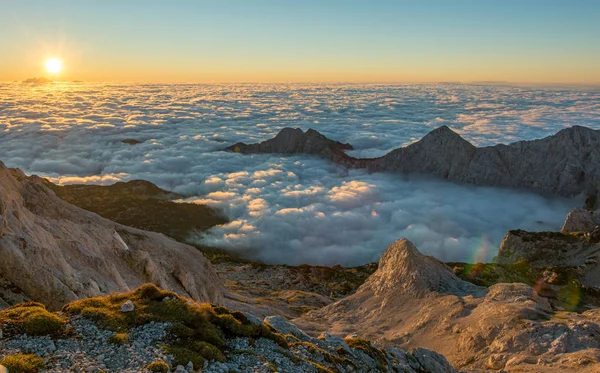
[{"x": 53, "y": 65}]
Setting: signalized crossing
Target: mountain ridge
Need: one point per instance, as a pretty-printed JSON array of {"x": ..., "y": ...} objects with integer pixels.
[{"x": 566, "y": 163}]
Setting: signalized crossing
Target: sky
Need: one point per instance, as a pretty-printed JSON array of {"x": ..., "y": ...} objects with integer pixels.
[{"x": 534, "y": 41}]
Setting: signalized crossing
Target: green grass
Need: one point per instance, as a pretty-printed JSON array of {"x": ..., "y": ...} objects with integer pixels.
[
  {"x": 23, "y": 363},
  {"x": 31, "y": 318},
  {"x": 198, "y": 331}
]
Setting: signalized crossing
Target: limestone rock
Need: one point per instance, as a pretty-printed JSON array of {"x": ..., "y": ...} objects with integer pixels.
[
  {"x": 546, "y": 249},
  {"x": 567, "y": 163},
  {"x": 286, "y": 327},
  {"x": 402, "y": 268},
  {"x": 55, "y": 252},
  {"x": 412, "y": 302},
  {"x": 579, "y": 220},
  {"x": 128, "y": 306}
]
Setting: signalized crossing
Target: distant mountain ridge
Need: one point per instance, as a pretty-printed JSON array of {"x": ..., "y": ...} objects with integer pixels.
[{"x": 566, "y": 163}]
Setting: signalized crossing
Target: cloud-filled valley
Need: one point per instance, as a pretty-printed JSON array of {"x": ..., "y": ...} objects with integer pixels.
[{"x": 296, "y": 209}]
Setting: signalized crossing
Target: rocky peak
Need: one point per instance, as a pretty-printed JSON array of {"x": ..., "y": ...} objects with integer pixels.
[
  {"x": 402, "y": 268},
  {"x": 567, "y": 163},
  {"x": 295, "y": 141}
]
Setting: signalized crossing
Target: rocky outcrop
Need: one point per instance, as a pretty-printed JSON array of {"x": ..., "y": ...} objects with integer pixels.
[
  {"x": 55, "y": 252},
  {"x": 422, "y": 304},
  {"x": 579, "y": 220},
  {"x": 566, "y": 164}
]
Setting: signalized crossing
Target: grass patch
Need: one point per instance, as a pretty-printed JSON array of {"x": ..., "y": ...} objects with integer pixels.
[
  {"x": 198, "y": 330},
  {"x": 366, "y": 347},
  {"x": 23, "y": 363},
  {"x": 158, "y": 367},
  {"x": 31, "y": 318},
  {"x": 119, "y": 339}
]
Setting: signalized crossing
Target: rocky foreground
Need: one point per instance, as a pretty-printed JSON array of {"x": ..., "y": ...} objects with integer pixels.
[
  {"x": 566, "y": 164},
  {"x": 152, "y": 330}
]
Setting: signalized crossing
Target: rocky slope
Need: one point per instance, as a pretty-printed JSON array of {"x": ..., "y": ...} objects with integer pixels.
[
  {"x": 151, "y": 330},
  {"x": 413, "y": 300},
  {"x": 566, "y": 164},
  {"x": 54, "y": 252}
]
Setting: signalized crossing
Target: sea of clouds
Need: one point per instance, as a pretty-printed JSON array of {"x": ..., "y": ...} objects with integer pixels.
[{"x": 296, "y": 209}]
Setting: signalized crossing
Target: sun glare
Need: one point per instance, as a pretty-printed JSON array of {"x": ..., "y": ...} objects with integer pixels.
[{"x": 53, "y": 65}]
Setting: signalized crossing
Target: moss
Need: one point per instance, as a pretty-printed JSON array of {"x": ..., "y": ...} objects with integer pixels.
[
  {"x": 158, "y": 367},
  {"x": 32, "y": 318},
  {"x": 366, "y": 347},
  {"x": 183, "y": 355},
  {"x": 328, "y": 357},
  {"x": 197, "y": 331},
  {"x": 208, "y": 351},
  {"x": 119, "y": 339},
  {"x": 319, "y": 368},
  {"x": 23, "y": 363}
]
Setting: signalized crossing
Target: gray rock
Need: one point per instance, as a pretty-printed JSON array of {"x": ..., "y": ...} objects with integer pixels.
[
  {"x": 579, "y": 220},
  {"x": 285, "y": 327},
  {"x": 128, "y": 306}
]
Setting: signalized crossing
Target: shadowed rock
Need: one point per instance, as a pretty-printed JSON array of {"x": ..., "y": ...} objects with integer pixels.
[{"x": 566, "y": 164}]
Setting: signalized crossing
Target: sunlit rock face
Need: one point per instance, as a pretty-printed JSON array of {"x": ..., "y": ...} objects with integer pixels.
[
  {"x": 55, "y": 252},
  {"x": 413, "y": 300}
]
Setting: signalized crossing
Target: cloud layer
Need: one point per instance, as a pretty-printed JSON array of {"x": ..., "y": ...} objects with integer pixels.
[{"x": 296, "y": 209}]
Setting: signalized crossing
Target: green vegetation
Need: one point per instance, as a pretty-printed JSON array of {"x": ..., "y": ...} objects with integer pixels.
[
  {"x": 198, "y": 330},
  {"x": 119, "y": 339},
  {"x": 141, "y": 204},
  {"x": 158, "y": 367},
  {"x": 31, "y": 318},
  {"x": 489, "y": 274},
  {"x": 366, "y": 347},
  {"x": 23, "y": 363},
  {"x": 328, "y": 357}
]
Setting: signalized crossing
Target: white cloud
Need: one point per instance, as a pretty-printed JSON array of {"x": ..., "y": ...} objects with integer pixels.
[{"x": 296, "y": 209}]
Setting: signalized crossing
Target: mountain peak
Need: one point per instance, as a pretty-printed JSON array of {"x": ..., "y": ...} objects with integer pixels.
[{"x": 402, "y": 268}]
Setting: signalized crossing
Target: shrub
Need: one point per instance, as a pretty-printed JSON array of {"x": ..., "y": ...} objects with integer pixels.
[
  {"x": 158, "y": 367},
  {"x": 119, "y": 339},
  {"x": 22, "y": 363}
]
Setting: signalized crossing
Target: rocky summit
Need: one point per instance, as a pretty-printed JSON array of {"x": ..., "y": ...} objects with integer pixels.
[{"x": 566, "y": 164}]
